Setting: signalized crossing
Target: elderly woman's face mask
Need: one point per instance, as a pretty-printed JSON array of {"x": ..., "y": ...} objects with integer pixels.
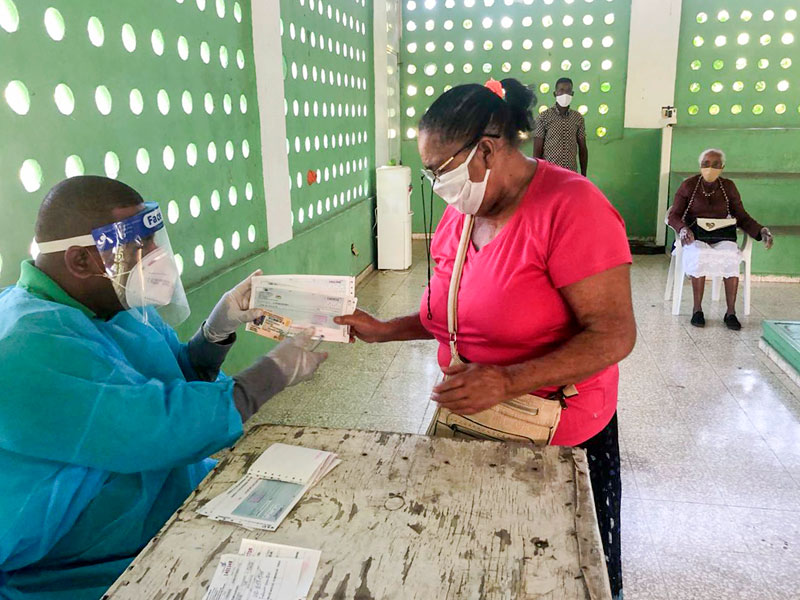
[{"x": 711, "y": 168}]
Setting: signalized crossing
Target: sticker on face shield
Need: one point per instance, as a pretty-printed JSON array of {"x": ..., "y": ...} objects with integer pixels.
[{"x": 153, "y": 219}]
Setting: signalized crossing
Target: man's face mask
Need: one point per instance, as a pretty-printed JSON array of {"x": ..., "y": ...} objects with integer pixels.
[
  {"x": 564, "y": 100},
  {"x": 710, "y": 174},
  {"x": 138, "y": 260},
  {"x": 455, "y": 187}
]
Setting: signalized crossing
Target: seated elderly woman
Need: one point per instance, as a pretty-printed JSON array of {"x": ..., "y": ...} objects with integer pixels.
[{"x": 705, "y": 214}]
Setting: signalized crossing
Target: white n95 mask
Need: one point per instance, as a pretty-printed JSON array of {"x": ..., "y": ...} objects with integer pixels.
[
  {"x": 455, "y": 187},
  {"x": 152, "y": 282},
  {"x": 564, "y": 100}
]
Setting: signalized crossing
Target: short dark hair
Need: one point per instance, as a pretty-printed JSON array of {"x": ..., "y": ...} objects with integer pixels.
[
  {"x": 467, "y": 111},
  {"x": 77, "y": 205},
  {"x": 564, "y": 80}
]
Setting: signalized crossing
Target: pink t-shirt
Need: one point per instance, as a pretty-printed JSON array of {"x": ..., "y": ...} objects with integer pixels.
[{"x": 509, "y": 306}]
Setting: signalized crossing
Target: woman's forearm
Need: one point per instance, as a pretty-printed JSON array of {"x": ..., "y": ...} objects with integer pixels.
[
  {"x": 407, "y": 328},
  {"x": 581, "y": 357}
]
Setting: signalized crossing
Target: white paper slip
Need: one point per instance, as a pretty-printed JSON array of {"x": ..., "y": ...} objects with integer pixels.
[
  {"x": 331, "y": 285},
  {"x": 309, "y": 558},
  {"x": 255, "y": 578}
]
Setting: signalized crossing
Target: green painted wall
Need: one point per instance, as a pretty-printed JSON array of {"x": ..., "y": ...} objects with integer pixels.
[
  {"x": 625, "y": 169},
  {"x": 198, "y": 55},
  {"x": 157, "y": 80},
  {"x": 466, "y": 42}
]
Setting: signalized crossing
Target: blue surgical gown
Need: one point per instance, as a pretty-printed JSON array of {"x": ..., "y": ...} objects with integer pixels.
[{"x": 104, "y": 432}]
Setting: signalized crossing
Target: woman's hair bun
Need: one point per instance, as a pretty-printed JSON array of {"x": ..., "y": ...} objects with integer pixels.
[{"x": 520, "y": 98}]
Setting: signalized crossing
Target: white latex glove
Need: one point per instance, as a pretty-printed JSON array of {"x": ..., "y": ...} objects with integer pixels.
[
  {"x": 294, "y": 358},
  {"x": 766, "y": 237},
  {"x": 232, "y": 310}
]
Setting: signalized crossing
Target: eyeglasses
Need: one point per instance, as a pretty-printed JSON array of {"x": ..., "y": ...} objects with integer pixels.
[{"x": 433, "y": 175}]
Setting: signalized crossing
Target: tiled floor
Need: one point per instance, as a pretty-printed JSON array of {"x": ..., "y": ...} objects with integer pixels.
[{"x": 710, "y": 434}]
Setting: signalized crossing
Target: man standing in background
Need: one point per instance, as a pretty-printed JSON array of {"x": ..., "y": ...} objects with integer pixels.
[{"x": 560, "y": 132}]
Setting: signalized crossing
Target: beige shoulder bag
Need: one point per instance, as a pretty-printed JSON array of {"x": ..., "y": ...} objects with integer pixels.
[{"x": 526, "y": 418}]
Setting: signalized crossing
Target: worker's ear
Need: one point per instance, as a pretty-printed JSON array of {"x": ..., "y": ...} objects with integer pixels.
[{"x": 81, "y": 263}]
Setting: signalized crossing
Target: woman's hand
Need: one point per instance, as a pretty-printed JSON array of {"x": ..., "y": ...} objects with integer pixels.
[
  {"x": 365, "y": 327},
  {"x": 766, "y": 237},
  {"x": 686, "y": 235},
  {"x": 473, "y": 388}
]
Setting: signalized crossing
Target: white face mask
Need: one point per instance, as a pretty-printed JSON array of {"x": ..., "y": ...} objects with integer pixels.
[
  {"x": 456, "y": 189},
  {"x": 564, "y": 100},
  {"x": 152, "y": 282}
]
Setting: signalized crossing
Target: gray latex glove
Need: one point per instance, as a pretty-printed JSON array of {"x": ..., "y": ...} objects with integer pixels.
[
  {"x": 295, "y": 359},
  {"x": 232, "y": 310},
  {"x": 289, "y": 363}
]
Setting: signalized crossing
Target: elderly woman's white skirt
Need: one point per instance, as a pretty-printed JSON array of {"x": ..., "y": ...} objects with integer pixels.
[{"x": 711, "y": 260}]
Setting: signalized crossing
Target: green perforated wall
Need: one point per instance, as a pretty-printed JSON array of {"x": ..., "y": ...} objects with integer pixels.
[
  {"x": 160, "y": 94},
  {"x": 738, "y": 64},
  {"x": 449, "y": 42},
  {"x": 328, "y": 78}
]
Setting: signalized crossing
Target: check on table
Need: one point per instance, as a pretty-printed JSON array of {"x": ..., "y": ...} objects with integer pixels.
[{"x": 402, "y": 516}]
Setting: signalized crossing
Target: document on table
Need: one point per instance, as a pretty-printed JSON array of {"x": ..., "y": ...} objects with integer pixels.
[
  {"x": 309, "y": 560},
  {"x": 307, "y": 301},
  {"x": 255, "y": 578},
  {"x": 273, "y": 485}
]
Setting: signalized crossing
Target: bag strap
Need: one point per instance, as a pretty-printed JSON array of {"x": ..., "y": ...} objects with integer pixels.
[
  {"x": 455, "y": 284},
  {"x": 567, "y": 391}
]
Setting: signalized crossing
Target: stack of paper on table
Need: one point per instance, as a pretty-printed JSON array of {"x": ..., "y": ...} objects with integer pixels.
[
  {"x": 272, "y": 486},
  {"x": 264, "y": 571},
  {"x": 296, "y": 302}
]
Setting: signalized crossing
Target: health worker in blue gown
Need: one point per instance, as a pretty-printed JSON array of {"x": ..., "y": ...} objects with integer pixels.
[{"x": 106, "y": 418}]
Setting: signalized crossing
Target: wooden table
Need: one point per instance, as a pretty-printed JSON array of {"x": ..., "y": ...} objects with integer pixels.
[{"x": 403, "y": 516}]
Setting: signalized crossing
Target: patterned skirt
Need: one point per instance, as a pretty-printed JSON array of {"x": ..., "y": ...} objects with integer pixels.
[{"x": 711, "y": 260}]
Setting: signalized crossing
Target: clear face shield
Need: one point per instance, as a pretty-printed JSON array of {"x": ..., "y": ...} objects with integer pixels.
[{"x": 139, "y": 262}]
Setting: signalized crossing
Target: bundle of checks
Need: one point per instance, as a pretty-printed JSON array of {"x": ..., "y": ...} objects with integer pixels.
[
  {"x": 264, "y": 571},
  {"x": 293, "y": 303},
  {"x": 272, "y": 486}
]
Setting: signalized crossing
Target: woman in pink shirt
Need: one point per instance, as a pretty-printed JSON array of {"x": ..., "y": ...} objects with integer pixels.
[{"x": 544, "y": 299}]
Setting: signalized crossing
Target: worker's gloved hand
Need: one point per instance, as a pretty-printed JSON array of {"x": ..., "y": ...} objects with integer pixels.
[
  {"x": 289, "y": 363},
  {"x": 231, "y": 311},
  {"x": 766, "y": 237},
  {"x": 295, "y": 359}
]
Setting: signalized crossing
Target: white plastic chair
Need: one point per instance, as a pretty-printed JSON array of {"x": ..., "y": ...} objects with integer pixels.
[{"x": 675, "y": 275}]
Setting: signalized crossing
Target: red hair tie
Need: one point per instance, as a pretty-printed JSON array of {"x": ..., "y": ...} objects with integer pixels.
[{"x": 496, "y": 87}]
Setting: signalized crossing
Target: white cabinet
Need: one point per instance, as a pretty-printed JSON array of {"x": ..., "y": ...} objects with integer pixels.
[{"x": 394, "y": 218}]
